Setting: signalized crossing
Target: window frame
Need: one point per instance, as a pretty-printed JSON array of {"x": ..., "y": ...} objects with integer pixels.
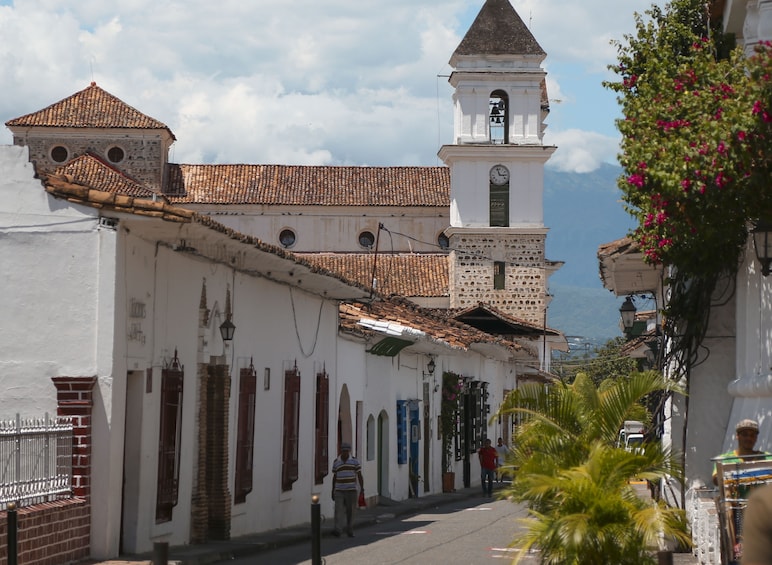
[
  {"x": 322, "y": 435},
  {"x": 169, "y": 440},
  {"x": 290, "y": 431},
  {"x": 245, "y": 435}
]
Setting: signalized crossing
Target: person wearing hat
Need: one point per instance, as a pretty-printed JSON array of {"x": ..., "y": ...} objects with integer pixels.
[
  {"x": 346, "y": 471},
  {"x": 747, "y": 433}
]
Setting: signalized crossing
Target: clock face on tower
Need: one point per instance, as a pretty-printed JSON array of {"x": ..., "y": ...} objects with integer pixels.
[{"x": 499, "y": 174}]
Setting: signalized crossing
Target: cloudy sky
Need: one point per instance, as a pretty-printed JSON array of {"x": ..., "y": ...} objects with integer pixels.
[{"x": 333, "y": 82}]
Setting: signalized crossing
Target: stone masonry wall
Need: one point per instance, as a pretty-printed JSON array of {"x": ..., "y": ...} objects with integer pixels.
[
  {"x": 143, "y": 154},
  {"x": 471, "y": 273}
]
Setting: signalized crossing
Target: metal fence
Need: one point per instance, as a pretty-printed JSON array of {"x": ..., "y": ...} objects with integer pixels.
[{"x": 35, "y": 460}]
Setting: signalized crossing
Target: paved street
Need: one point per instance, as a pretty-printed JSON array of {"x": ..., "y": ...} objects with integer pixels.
[{"x": 475, "y": 530}]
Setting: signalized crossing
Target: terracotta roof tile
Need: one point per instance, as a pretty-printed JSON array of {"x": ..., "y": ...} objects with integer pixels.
[
  {"x": 309, "y": 185},
  {"x": 402, "y": 312},
  {"x": 617, "y": 247},
  {"x": 407, "y": 274},
  {"x": 498, "y": 30},
  {"x": 92, "y": 171},
  {"x": 89, "y": 108}
]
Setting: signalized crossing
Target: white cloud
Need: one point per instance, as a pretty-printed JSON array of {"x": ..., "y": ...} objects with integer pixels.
[
  {"x": 316, "y": 82},
  {"x": 581, "y": 151}
]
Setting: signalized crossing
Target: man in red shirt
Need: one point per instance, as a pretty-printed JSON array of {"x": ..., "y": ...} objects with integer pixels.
[{"x": 488, "y": 456}]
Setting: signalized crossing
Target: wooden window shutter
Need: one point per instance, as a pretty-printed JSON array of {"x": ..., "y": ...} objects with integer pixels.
[
  {"x": 322, "y": 467},
  {"x": 289, "y": 470},
  {"x": 245, "y": 434},
  {"x": 169, "y": 440}
]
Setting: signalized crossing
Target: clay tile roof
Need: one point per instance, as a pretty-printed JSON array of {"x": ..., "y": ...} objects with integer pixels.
[
  {"x": 617, "y": 247},
  {"x": 406, "y": 274},
  {"x": 498, "y": 30},
  {"x": 92, "y": 171},
  {"x": 309, "y": 185},
  {"x": 402, "y": 313},
  {"x": 89, "y": 108}
]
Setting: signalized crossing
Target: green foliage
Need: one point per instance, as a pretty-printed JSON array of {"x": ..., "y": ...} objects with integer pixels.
[
  {"x": 605, "y": 362},
  {"x": 576, "y": 482},
  {"x": 451, "y": 393},
  {"x": 696, "y": 127}
]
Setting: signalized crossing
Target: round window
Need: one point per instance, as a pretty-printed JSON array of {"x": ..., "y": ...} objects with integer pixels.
[
  {"x": 59, "y": 154},
  {"x": 287, "y": 238},
  {"x": 366, "y": 239},
  {"x": 443, "y": 241},
  {"x": 115, "y": 154}
]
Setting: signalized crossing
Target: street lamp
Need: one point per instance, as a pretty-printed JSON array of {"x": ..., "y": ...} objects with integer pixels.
[
  {"x": 227, "y": 329},
  {"x": 762, "y": 244},
  {"x": 627, "y": 312}
]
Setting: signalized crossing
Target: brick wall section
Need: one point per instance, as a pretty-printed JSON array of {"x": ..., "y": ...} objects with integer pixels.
[
  {"x": 199, "y": 501},
  {"x": 52, "y": 533},
  {"x": 58, "y": 532},
  {"x": 75, "y": 400},
  {"x": 218, "y": 493},
  {"x": 212, "y": 500},
  {"x": 471, "y": 273}
]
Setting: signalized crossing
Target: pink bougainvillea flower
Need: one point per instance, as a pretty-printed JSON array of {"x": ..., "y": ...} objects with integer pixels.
[{"x": 636, "y": 180}]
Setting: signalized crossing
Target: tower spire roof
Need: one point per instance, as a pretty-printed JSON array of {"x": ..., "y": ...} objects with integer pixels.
[{"x": 498, "y": 30}]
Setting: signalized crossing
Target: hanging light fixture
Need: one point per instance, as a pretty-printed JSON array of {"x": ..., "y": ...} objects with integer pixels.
[
  {"x": 430, "y": 366},
  {"x": 627, "y": 312},
  {"x": 762, "y": 244}
]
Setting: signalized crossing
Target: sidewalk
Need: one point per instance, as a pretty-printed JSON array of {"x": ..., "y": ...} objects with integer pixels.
[{"x": 245, "y": 546}]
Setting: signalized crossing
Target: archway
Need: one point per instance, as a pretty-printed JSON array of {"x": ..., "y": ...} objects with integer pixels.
[
  {"x": 383, "y": 454},
  {"x": 345, "y": 428}
]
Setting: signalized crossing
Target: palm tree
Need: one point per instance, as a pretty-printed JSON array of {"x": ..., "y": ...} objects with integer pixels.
[{"x": 575, "y": 480}]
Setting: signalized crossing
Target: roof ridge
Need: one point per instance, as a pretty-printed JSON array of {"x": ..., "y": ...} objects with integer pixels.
[
  {"x": 498, "y": 30},
  {"x": 92, "y": 107}
]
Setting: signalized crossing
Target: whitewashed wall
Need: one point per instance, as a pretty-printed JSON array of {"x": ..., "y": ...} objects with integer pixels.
[
  {"x": 49, "y": 291},
  {"x": 470, "y": 203},
  {"x": 276, "y": 327},
  {"x": 337, "y": 228}
]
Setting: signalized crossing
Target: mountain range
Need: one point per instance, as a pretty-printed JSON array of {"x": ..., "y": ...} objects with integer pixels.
[{"x": 583, "y": 211}]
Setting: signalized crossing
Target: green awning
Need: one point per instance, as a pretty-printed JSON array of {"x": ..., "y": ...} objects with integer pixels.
[{"x": 389, "y": 346}]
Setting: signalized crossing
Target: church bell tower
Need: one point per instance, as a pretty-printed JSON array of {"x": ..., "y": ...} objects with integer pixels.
[{"x": 496, "y": 162}]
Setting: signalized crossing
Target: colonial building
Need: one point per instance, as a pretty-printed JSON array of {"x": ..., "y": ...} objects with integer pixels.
[{"x": 354, "y": 293}]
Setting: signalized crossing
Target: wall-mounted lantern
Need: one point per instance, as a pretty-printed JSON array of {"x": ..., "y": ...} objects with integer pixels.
[
  {"x": 227, "y": 329},
  {"x": 762, "y": 244}
]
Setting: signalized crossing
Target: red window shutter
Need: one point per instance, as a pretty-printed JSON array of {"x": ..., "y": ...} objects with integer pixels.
[
  {"x": 245, "y": 435},
  {"x": 169, "y": 440},
  {"x": 289, "y": 470},
  {"x": 322, "y": 466}
]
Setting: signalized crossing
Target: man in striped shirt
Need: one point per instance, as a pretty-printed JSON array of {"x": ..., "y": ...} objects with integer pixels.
[{"x": 346, "y": 471}]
